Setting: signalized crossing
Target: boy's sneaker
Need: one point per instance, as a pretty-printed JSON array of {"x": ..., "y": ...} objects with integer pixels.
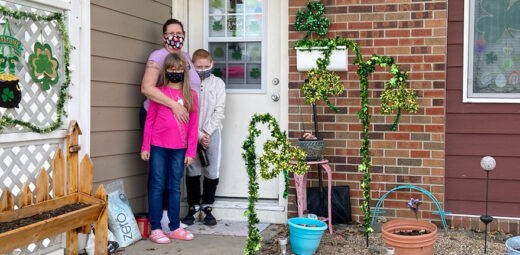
[
  {"x": 209, "y": 219},
  {"x": 190, "y": 218}
]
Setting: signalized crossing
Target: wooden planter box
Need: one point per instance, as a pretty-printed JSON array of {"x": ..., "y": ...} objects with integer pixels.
[
  {"x": 306, "y": 60},
  {"x": 43, "y": 229},
  {"x": 78, "y": 190}
]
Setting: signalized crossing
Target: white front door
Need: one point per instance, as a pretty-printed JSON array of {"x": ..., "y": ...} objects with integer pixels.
[{"x": 247, "y": 40}]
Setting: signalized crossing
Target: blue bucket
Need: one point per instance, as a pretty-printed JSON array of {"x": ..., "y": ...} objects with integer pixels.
[
  {"x": 305, "y": 240},
  {"x": 511, "y": 243}
]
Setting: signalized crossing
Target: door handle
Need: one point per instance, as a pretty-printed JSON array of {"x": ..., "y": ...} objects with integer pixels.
[{"x": 275, "y": 97}]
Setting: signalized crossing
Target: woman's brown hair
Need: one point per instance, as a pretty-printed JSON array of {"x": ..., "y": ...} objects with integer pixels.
[
  {"x": 171, "y": 22},
  {"x": 178, "y": 61}
]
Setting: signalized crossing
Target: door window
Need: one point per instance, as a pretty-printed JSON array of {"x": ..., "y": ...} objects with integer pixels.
[{"x": 235, "y": 35}]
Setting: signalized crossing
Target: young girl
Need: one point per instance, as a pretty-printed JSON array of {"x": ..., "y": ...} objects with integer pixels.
[{"x": 169, "y": 145}]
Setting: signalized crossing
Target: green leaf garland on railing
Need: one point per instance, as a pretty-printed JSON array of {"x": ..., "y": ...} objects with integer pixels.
[
  {"x": 277, "y": 153},
  {"x": 7, "y": 121}
]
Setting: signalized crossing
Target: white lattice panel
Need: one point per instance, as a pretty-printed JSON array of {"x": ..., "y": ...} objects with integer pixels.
[
  {"x": 20, "y": 165},
  {"x": 38, "y": 106}
]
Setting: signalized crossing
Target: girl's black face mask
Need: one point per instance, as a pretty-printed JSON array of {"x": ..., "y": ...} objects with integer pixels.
[{"x": 175, "y": 77}]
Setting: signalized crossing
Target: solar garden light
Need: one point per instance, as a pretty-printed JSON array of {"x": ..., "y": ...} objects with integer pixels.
[{"x": 487, "y": 163}]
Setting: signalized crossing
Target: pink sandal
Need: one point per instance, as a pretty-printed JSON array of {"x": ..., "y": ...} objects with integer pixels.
[
  {"x": 157, "y": 236},
  {"x": 181, "y": 234}
]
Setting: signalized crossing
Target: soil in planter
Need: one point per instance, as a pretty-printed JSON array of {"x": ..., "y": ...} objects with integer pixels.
[
  {"x": 412, "y": 233},
  {"x": 8, "y": 226}
]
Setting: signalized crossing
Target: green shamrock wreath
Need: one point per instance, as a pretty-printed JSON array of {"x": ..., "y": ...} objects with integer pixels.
[
  {"x": 311, "y": 20},
  {"x": 44, "y": 67},
  {"x": 503, "y": 16}
]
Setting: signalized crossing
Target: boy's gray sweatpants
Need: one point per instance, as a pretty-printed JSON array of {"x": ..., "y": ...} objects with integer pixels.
[{"x": 214, "y": 154}]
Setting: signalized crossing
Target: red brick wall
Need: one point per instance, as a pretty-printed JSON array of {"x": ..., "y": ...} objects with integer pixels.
[{"x": 414, "y": 33}]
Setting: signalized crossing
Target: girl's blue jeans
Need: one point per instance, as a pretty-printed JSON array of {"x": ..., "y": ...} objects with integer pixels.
[{"x": 166, "y": 171}]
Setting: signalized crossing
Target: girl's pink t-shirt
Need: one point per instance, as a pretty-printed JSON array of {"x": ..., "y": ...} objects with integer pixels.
[{"x": 162, "y": 128}]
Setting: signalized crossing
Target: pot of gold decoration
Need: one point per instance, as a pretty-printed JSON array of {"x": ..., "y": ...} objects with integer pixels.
[{"x": 10, "y": 92}]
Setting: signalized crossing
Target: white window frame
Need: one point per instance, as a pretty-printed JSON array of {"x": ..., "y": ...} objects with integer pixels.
[
  {"x": 262, "y": 39},
  {"x": 78, "y": 106},
  {"x": 467, "y": 87}
]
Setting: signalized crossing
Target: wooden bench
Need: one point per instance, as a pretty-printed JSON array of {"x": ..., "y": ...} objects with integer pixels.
[{"x": 78, "y": 190}]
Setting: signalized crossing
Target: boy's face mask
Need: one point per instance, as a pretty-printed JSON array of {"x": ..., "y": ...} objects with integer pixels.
[
  {"x": 174, "y": 41},
  {"x": 203, "y": 74}
]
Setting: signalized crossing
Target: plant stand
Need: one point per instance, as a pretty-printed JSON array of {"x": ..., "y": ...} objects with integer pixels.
[
  {"x": 301, "y": 191},
  {"x": 73, "y": 222}
]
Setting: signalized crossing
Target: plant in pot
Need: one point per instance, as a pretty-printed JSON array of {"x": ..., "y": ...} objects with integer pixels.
[{"x": 410, "y": 237}]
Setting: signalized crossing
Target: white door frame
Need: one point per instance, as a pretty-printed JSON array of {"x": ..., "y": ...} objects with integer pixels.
[{"x": 275, "y": 212}]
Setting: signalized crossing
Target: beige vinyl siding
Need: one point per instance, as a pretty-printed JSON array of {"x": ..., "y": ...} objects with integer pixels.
[{"x": 123, "y": 34}]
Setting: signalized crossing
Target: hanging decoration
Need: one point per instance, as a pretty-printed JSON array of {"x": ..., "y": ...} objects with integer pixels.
[
  {"x": 396, "y": 97},
  {"x": 10, "y": 92},
  {"x": 217, "y": 72},
  {"x": 218, "y": 52},
  {"x": 491, "y": 58},
  {"x": 44, "y": 67},
  {"x": 217, "y": 26},
  {"x": 277, "y": 153},
  {"x": 254, "y": 73},
  {"x": 502, "y": 18},
  {"x": 9, "y": 121},
  {"x": 311, "y": 20}
]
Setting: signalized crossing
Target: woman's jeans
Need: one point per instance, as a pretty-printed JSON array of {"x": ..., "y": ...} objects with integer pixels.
[{"x": 166, "y": 171}]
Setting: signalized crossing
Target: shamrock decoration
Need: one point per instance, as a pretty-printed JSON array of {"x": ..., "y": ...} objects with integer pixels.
[
  {"x": 508, "y": 64},
  {"x": 491, "y": 58},
  {"x": 7, "y": 95},
  {"x": 216, "y": 4},
  {"x": 217, "y": 72},
  {"x": 254, "y": 52},
  {"x": 254, "y": 73},
  {"x": 219, "y": 52},
  {"x": 502, "y": 17},
  {"x": 44, "y": 67},
  {"x": 237, "y": 54},
  {"x": 312, "y": 20},
  {"x": 217, "y": 26}
]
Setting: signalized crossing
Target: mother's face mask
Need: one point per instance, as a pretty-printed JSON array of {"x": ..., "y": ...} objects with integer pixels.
[{"x": 174, "y": 41}]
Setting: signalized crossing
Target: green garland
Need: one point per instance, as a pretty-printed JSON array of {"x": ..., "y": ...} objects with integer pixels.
[
  {"x": 395, "y": 97},
  {"x": 311, "y": 20},
  {"x": 278, "y": 153},
  {"x": 321, "y": 81},
  {"x": 7, "y": 121}
]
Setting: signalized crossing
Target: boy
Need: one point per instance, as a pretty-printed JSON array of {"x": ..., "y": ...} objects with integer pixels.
[{"x": 212, "y": 100}]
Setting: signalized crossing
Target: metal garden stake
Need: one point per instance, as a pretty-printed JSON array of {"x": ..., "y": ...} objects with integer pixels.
[{"x": 487, "y": 163}]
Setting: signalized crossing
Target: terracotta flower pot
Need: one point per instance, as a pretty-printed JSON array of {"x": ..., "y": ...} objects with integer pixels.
[{"x": 409, "y": 245}]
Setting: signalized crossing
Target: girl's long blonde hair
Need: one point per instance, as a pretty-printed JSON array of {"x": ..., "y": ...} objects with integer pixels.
[{"x": 177, "y": 61}]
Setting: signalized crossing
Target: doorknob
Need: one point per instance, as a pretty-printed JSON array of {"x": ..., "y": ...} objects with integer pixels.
[{"x": 275, "y": 96}]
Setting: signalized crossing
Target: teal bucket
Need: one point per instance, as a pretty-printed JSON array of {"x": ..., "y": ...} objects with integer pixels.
[
  {"x": 512, "y": 244},
  {"x": 305, "y": 239}
]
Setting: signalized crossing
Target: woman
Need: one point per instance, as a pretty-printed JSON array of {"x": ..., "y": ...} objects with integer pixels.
[{"x": 173, "y": 38}]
